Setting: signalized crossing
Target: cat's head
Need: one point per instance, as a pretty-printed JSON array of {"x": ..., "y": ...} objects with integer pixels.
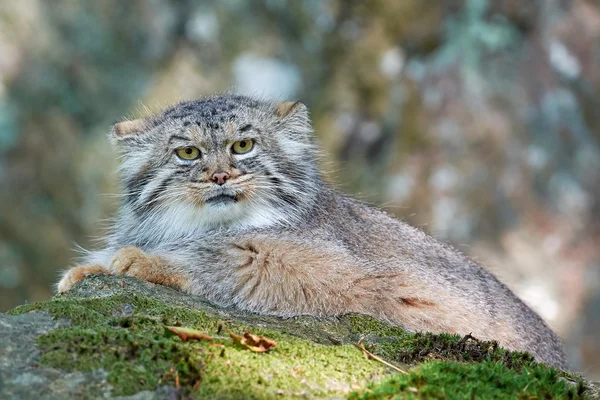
[{"x": 220, "y": 161}]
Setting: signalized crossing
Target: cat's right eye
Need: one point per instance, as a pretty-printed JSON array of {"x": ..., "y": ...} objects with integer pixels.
[{"x": 188, "y": 153}]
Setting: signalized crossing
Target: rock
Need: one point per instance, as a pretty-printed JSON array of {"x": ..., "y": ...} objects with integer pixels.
[
  {"x": 106, "y": 338},
  {"x": 22, "y": 377}
]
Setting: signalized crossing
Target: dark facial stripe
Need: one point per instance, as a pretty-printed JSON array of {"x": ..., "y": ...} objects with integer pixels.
[
  {"x": 251, "y": 163},
  {"x": 287, "y": 198},
  {"x": 275, "y": 181},
  {"x": 282, "y": 196},
  {"x": 135, "y": 185},
  {"x": 149, "y": 201}
]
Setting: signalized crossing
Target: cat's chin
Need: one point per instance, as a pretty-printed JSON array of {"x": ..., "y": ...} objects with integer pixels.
[
  {"x": 183, "y": 218},
  {"x": 234, "y": 213},
  {"x": 220, "y": 211},
  {"x": 222, "y": 200}
]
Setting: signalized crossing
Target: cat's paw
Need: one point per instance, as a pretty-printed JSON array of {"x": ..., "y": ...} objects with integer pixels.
[
  {"x": 76, "y": 274},
  {"x": 132, "y": 261}
]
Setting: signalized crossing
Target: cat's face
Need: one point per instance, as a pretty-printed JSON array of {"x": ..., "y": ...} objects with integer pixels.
[{"x": 220, "y": 161}]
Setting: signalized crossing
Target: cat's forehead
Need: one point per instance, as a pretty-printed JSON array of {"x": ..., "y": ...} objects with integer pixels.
[
  {"x": 229, "y": 113},
  {"x": 213, "y": 110}
]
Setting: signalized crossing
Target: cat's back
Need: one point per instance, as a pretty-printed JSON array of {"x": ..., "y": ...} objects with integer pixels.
[
  {"x": 373, "y": 234},
  {"x": 380, "y": 243}
]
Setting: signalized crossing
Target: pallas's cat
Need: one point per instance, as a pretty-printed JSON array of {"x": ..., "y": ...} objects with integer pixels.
[{"x": 222, "y": 198}]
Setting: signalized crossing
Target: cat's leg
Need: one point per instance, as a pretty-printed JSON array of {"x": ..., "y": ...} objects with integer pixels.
[
  {"x": 286, "y": 277},
  {"x": 75, "y": 274},
  {"x": 132, "y": 261}
]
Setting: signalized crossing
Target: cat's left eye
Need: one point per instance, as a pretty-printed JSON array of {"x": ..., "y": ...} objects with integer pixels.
[
  {"x": 188, "y": 153},
  {"x": 242, "y": 146}
]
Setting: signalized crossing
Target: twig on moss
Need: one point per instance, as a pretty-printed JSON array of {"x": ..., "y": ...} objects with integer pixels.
[
  {"x": 467, "y": 337},
  {"x": 372, "y": 356}
]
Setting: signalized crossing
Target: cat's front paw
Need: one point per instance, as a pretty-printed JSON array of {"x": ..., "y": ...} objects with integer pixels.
[
  {"x": 76, "y": 274},
  {"x": 132, "y": 261}
]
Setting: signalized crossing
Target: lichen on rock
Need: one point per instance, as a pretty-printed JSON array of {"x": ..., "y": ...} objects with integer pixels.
[{"x": 106, "y": 337}]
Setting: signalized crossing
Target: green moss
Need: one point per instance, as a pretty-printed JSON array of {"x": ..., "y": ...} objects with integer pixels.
[
  {"x": 364, "y": 325},
  {"x": 486, "y": 380},
  {"x": 124, "y": 334},
  {"x": 411, "y": 348},
  {"x": 457, "y": 367},
  {"x": 134, "y": 361},
  {"x": 86, "y": 313}
]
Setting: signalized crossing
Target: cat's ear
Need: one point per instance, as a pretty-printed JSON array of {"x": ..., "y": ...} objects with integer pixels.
[
  {"x": 291, "y": 109},
  {"x": 127, "y": 130},
  {"x": 293, "y": 119}
]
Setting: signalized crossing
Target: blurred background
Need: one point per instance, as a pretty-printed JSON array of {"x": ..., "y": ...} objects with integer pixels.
[{"x": 477, "y": 120}]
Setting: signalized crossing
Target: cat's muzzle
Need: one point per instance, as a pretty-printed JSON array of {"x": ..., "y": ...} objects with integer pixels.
[{"x": 221, "y": 197}]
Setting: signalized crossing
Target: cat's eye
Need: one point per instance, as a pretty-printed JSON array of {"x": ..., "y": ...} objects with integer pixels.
[
  {"x": 242, "y": 146},
  {"x": 188, "y": 153}
]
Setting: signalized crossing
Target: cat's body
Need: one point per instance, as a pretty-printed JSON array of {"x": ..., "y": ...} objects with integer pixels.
[{"x": 249, "y": 223}]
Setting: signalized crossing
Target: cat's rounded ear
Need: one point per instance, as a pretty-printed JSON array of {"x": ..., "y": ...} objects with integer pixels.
[
  {"x": 291, "y": 110},
  {"x": 127, "y": 130},
  {"x": 293, "y": 119}
]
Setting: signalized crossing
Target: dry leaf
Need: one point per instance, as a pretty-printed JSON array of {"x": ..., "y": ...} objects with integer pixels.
[
  {"x": 187, "y": 333},
  {"x": 258, "y": 344}
]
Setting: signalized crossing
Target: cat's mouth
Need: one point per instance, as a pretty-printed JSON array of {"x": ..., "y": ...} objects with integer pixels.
[{"x": 222, "y": 199}]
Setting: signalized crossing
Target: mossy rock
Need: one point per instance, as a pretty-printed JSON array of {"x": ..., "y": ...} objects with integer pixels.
[{"x": 106, "y": 338}]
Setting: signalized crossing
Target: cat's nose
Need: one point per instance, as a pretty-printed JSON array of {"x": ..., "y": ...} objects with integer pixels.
[{"x": 220, "y": 177}]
